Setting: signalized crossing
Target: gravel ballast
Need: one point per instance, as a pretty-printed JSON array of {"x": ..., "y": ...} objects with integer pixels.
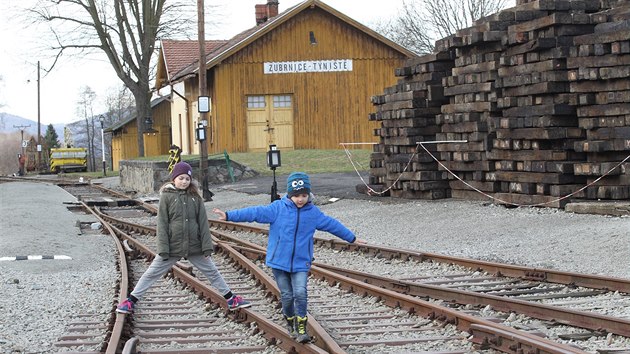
[
  {"x": 538, "y": 237},
  {"x": 39, "y": 297}
]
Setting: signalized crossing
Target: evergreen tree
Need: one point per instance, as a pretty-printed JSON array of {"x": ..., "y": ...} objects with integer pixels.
[{"x": 51, "y": 138}]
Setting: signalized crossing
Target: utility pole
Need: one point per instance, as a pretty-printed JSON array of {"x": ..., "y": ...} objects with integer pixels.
[{"x": 203, "y": 92}]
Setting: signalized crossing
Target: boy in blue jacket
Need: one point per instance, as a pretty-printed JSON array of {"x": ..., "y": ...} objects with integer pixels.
[{"x": 293, "y": 221}]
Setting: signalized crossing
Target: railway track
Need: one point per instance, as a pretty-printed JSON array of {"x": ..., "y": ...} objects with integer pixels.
[
  {"x": 590, "y": 315},
  {"x": 262, "y": 231},
  {"x": 415, "y": 328},
  {"x": 378, "y": 302}
]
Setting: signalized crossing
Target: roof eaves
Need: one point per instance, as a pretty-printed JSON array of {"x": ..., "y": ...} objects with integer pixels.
[
  {"x": 231, "y": 48},
  {"x": 174, "y": 77},
  {"x": 131, "y": 118},
  {"x": 370, "y": 32},
  {"x": 263, "y": 29}
]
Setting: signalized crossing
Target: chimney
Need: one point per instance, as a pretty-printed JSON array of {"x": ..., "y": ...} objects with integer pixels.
[
  {"x": 272, "y": 8},
  {"x": 261, "y": 14},
  {"x": 266, "y": 11}
]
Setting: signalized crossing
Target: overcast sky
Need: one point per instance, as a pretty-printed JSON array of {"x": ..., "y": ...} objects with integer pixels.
[{"x": 59, "y": 90}]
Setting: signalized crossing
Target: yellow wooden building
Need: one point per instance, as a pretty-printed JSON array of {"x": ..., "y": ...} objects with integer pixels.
[
  {"x": 156, "y": 141},
  {"x": 300, "y": 79}
]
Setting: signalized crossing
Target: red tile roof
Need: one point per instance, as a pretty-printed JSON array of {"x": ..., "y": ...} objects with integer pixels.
[{"x": 179, "y": 54}]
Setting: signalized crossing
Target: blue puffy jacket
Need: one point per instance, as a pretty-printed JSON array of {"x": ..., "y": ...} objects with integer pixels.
[{"x": 291, "y": 231}]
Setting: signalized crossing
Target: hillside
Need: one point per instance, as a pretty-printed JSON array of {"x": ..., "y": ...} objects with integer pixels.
[{"x": 8, "y": 121}]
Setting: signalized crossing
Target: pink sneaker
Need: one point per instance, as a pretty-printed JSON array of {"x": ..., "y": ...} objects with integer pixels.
[
  {"x": 237, "y": 302},
  {"x": 125, "y": 307}
]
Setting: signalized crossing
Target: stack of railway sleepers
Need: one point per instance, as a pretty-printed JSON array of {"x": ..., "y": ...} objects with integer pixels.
[
  {"x": 599, "y": 73},
  {"x": 533, "y": 151},
  {"x": 521, "y": 93},
  {"x": 407, "y": 113},
  {"x": 473, "y": 95}
]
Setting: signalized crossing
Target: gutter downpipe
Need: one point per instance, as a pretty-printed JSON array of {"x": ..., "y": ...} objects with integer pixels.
[{"x": 187, "y": 116}]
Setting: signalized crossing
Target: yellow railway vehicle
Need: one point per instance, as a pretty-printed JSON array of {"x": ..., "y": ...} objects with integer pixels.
[{"x": 68, "y": 160}]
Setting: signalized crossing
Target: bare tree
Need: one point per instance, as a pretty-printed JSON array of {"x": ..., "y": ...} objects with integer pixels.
[
  {"x": 125, "y": 30},
  {"x": 420, "y": 23},
  {"x": 85, "y": 109},
  {"x": 120, "y": 105}
]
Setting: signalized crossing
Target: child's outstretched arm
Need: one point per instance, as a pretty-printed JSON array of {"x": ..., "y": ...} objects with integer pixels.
[
  {"x": 220, "y": 213},
  {"x": 264, "y": 214}
]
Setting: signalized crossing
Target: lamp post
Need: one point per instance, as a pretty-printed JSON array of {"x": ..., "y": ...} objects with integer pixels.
[
  {"x": 102, "y": 120},
  {"x": 39, "y": 129},
  {"x": 273, "y": 161}
]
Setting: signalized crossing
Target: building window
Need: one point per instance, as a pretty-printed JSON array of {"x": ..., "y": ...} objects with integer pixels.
[
  {"x": 255, "y": 101},
  {"x": 282, "y": 101}
]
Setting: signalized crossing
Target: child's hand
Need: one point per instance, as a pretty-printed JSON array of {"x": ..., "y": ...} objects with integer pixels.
[
  {"x": 360, "y": 241},
  {"x": 220, "y": 213}
]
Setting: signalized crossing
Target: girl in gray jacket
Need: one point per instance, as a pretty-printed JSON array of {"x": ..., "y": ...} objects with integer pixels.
[{"x": 182, "y": 231}]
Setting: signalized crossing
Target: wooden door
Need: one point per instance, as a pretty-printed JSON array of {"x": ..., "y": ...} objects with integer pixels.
[
  {"x": 257, "y": 123},
  {"x": 116, "y": 152},
  {"x": 269, "y": 121},
  {"x": 151, "y": 144}
]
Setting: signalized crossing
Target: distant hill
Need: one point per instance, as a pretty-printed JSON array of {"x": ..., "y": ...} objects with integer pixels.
[{"x": 8, "y": 121}]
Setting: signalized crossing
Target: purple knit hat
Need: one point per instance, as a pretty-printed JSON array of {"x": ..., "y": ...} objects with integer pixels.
[{"x": 181, "y": 168}]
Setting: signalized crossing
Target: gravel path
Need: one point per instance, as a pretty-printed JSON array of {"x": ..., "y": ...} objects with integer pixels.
[{"x": 38, "y": 298}]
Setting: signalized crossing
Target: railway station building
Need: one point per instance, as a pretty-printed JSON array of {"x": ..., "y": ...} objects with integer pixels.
[{"x": 300, "y": 79}]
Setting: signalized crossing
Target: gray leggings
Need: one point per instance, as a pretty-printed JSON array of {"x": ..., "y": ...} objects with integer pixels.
[{"x": 160, "y": 266}]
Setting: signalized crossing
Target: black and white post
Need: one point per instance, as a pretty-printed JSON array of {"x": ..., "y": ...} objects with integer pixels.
[
  {"x": 273, "y": 161},
  {"x": 102, "y": 120}
]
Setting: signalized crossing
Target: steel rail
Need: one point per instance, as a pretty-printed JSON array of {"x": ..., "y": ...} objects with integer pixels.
[
  {"x": 275, "y": 333},
  {"x": 115, "y": 332},
  {"x": 495, "y": 335},
  {"x": 570, "y": 317},
  {"x": 498, "y": 269},
  {"x": 324, "y": 340},
  {"x": 593, "y": 321},
  {"x": 41, "y": 180},
  {"x": 112, "y": 192},
  {"x": 130, "y": 226},
  {"x": 583, "y": 319}
]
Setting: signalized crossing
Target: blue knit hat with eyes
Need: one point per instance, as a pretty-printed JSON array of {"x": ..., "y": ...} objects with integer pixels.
[{"x": 298, "y": 183}]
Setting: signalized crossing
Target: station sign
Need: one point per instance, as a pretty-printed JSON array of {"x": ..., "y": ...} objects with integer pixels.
[{"x": 307, "y": 66}]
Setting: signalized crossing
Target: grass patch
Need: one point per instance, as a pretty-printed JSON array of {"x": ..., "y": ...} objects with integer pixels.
[{"x": 309, "y": 161}]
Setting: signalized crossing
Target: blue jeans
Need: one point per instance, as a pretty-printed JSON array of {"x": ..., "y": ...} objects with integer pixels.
[{"x": 293, "y": 292}]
